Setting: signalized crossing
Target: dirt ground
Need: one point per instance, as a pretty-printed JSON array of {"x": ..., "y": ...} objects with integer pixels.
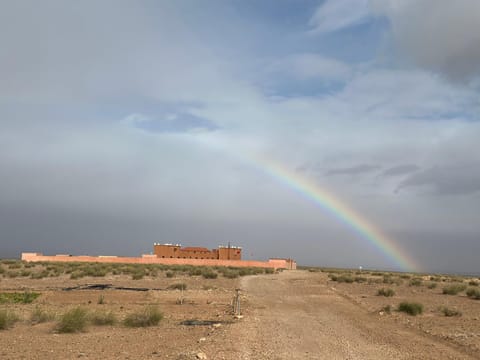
[{"x": 290, "y": 315}]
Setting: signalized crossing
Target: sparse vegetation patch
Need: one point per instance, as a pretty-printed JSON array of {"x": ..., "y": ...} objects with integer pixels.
[
  {"x": 411, "y": 308},
  {"x": 7, "y": 319},
  {"x": 150, "y": 316},
  {"x": 74, "y": 320},
  {"x": 415, "y": 282},
  {"x": 454, "y": 289},
  {"x": 18, "y": 298},
  {"x": 40, "y": 316},
  {"x": 473, "y": 293},
  {"x": 450, "y": 312},
  {"x": 178, "y": 286},
  {"x": 386, "y": 292}
]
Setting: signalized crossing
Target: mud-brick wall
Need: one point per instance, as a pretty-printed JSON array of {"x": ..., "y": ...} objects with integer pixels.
[{"x": 153, "y": 259}]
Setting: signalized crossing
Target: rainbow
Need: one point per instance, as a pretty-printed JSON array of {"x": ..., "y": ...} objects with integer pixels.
[{"x": 331, "y": 204}]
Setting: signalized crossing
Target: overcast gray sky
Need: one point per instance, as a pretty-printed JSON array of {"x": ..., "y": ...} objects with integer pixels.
[{"x": 126, "y": 123}]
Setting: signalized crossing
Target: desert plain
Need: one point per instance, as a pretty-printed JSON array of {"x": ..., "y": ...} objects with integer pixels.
[{"x": 310, "y": 313}]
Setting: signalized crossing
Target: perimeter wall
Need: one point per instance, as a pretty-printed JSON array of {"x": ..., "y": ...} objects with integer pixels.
[{"x": 288, "y": 264}]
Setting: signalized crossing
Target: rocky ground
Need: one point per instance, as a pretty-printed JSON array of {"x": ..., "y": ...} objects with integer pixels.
[{"x": 290, "y": 315}]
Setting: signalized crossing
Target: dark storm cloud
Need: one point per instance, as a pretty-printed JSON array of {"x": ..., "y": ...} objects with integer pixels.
[
  {"x": 400, "y": 170},
  {"x": 446, "y": 180},
  {"x": 354, "y": 170},
  {"x": 440, "y": 36}
]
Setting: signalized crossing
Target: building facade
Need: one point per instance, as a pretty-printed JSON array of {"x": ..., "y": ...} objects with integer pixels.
[{"x": 176, "y": 251}]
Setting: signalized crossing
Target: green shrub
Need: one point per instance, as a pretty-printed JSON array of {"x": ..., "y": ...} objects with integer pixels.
[
  {"x": 473, "y": 283},
  {"x": 101, "y": 318},
  {"x": 15, "y": 265},
  {"x": 169, "y": 274},
  {"x": 40, "y": 275},
  {"x": 138, "y": 275},
  {"x": 209, "y": 274},
  {"x": 411, "y": 308},
  {"x": 195, "y": 271},
  {"x": 405, "y": 276},
  {"x": 387, "y": 279},
  {"x": 77, "y": 274},
  {"x": 454, "y": 289},
  {"x": 149, "y": 316},
  {"x": 415, "y": 282},
  {"x": 342, "y": 278},
  {"x": 450, "y": 312},
  {"x": 435, "y": 278},
  {"x": 386, "y": 292},
  {"x": 40, "y": 316},
  {"x": 271, "y": 270},
  {"x": 7, "y": 319},
  {"x": 360, "y": 279},
  {"x": 178, "y": 286},
  {"x": 74, "y": 320},
  {"x": 231, "y": 274},
  {"x": 473, "y": 293},
  {"x": 18, "y": 298},
  {"x": 432, "y": 285}
]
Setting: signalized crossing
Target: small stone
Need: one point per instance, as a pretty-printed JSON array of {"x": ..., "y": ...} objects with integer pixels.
[
  {"x": 217, "y": 325},
  {"x": 202, "y": 339},
  {"x": 201, "y": 356}
]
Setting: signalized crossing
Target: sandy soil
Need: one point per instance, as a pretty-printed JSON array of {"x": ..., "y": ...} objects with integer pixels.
[{"x": 291, "y": 315}]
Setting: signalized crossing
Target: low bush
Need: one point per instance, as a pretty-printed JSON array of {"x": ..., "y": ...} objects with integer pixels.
[
  {"x": 7, "y": 319},
  {"x": 149, "y": 316},
  {"x": 360, "y": 279},
  {"x": 231, "y": 274},
  {"x": 15, "y": 265},
  {"x": 138, "y": 275},
  {"x": 473, "y": 283},
  {"x": 342, "y": 278},
  {"x": 40, "y": 316},
  {"x": 386, "y": 292},
  {"x": 74, "y": 320},
  {"x": 450, "y": 312},
  {"x": 473, "y": 293},
  {"x": 18, "y": 298},
  {"x": 415, "y": 282},
  {"x": 411, "y": 308},
  {"x": 178, "y": 286},
  {"x": 195, "y": 271},
  {"x": 209, "y": 274},
  {"x": 432, "y": 285},
  {"x": 169, "y": 274},
  {"x": 405, "y": 276},
  {"x": 454, "y": 289},
  {"x": 102, "y": 318},
  {"x": 271, "y": 270}
]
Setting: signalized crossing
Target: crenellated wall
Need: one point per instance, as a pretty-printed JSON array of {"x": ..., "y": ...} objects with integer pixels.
[{"x": 153, "y": 259}]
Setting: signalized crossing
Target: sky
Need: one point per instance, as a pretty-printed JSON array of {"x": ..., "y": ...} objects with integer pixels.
[{"x": 127, "y": 123}]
